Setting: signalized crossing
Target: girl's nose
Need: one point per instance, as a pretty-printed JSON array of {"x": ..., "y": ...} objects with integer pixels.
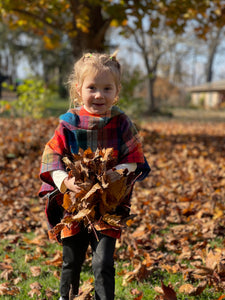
[{"x": 99, "y": 94}]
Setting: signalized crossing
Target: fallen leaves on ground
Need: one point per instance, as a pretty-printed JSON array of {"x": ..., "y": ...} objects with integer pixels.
[
  {"x": 85, "y": 290},
  {"x": 180, "y": 206},
  {"x": 7, "y": 288}
]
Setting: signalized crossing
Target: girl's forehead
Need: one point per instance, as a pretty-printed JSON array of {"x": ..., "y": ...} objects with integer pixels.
[
  {"x": 103, "y": 76},
  {"x": 96, "y": 72}
]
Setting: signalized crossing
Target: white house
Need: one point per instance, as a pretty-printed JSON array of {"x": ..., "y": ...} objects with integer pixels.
[{"x": 209, "y": 95}]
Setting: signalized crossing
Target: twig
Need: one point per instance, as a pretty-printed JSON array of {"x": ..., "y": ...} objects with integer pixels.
[{"x": 92, "y": 227}]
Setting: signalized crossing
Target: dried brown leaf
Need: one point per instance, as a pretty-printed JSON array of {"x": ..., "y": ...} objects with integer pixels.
[
  {"x": 7, "y": 289},
  {"x": 85, "y": 290},
  {"x": 169, "y": 293},
  {"x": 6, "y": 274},
  {"x": 191, "y": 290},
  {"x": 113, "y": 220},
  {"x": 56, "y": 260},
  {"x": 212, "y": 259},
  {"x": 35, "y": 271}
]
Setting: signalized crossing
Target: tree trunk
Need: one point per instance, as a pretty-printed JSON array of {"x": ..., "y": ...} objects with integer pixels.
[
  {"x": 209, "y": 72},
  {"x": 94, "y": 38},
  {"x": 150, "y": 83},
  {"x": 151, "y": 108},
  {"x": 85, "y": 42},
  {"x": 211, "y": 55}
]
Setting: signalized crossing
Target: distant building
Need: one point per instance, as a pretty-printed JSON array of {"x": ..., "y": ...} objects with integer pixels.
[{"x": 208, "y": 95}]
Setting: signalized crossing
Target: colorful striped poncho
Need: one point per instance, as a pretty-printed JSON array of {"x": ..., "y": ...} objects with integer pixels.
[{"x": 80, "y": 129}]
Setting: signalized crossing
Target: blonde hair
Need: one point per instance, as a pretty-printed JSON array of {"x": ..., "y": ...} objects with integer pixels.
[{"x": 92, "y": 62}]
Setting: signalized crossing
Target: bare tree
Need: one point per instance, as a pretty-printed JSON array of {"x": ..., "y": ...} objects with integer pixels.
[
  {"x": 214, "y": 39},
  {"x": 152, "y": 48}
]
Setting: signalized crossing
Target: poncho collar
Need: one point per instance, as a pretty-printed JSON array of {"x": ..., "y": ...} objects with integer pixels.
[{"x": 81, "y": 118}]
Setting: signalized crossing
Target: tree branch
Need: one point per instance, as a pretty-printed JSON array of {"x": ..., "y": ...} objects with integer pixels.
[{"x": 56, "y": 25}]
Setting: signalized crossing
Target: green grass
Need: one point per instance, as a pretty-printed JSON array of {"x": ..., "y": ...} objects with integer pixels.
[
  {"x": 17, "y": 252},
  {"x": 58, "y": 106}
]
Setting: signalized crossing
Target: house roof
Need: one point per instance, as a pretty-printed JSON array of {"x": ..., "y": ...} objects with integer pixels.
[{"x": 208, "y": 86}]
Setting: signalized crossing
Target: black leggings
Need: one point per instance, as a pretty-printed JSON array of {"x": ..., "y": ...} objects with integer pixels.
[{"x": 74, "y": 250}]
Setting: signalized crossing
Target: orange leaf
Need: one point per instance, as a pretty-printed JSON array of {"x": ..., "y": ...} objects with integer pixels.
[{"x": 66, "y": 201}]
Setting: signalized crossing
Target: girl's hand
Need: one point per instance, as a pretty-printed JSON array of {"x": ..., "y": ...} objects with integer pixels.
[{"x": 71, "y": 185}]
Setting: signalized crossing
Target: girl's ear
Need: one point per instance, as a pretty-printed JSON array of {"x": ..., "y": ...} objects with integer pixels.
[{"x": 78, "y": 89}]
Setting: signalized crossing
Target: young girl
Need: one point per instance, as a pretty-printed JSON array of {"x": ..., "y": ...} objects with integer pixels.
[{"x": 97, "y": 123}]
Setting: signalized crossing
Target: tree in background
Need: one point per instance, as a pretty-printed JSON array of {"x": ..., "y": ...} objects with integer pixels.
[
  {"x": 153, "y": 48},
  {"x": 57, "y": 32},
  {"x": 214, "y": 36},
  {"x": 56, "y": 63},
  {"x": 11, "y": 51},
  {"x": 83, "y": 24},
  {"x": 154, "y": 20}
]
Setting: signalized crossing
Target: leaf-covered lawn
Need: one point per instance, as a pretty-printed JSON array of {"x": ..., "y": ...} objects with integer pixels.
[{"x": 173, "y": 249}]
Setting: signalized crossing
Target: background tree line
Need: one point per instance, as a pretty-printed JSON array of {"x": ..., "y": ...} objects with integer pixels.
[{"x": 164, "y": 33}]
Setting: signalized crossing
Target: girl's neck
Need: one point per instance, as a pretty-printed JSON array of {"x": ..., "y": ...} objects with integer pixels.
[{"x": 96, "y": 115}]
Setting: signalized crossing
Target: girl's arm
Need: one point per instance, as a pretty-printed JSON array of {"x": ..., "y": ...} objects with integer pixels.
[{"x": 64, "y": 183}]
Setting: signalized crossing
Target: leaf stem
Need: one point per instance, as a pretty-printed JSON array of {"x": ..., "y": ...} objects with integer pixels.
[{"x": 92, "y": 227}]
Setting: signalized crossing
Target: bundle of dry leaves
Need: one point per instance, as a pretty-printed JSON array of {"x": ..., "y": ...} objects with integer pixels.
[{"x": 104, "y": 189}]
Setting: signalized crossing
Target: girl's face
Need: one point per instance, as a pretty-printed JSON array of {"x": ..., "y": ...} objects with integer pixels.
[{"x": 98, "y": 92}]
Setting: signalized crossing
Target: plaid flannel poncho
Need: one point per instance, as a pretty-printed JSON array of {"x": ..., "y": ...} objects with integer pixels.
[{"x": 80, "y": 129}]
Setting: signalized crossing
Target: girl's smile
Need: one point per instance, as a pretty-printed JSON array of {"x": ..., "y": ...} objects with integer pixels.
[{"x": 98, "y": 92}]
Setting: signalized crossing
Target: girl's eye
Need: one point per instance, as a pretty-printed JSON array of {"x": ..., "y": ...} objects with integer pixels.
[{"x": 91, "y": 87}]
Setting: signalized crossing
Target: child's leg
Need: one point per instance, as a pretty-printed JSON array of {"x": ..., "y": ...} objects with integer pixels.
[
  {"x": 74, "y": 249},
  {"x": 103, "y": 266}
]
